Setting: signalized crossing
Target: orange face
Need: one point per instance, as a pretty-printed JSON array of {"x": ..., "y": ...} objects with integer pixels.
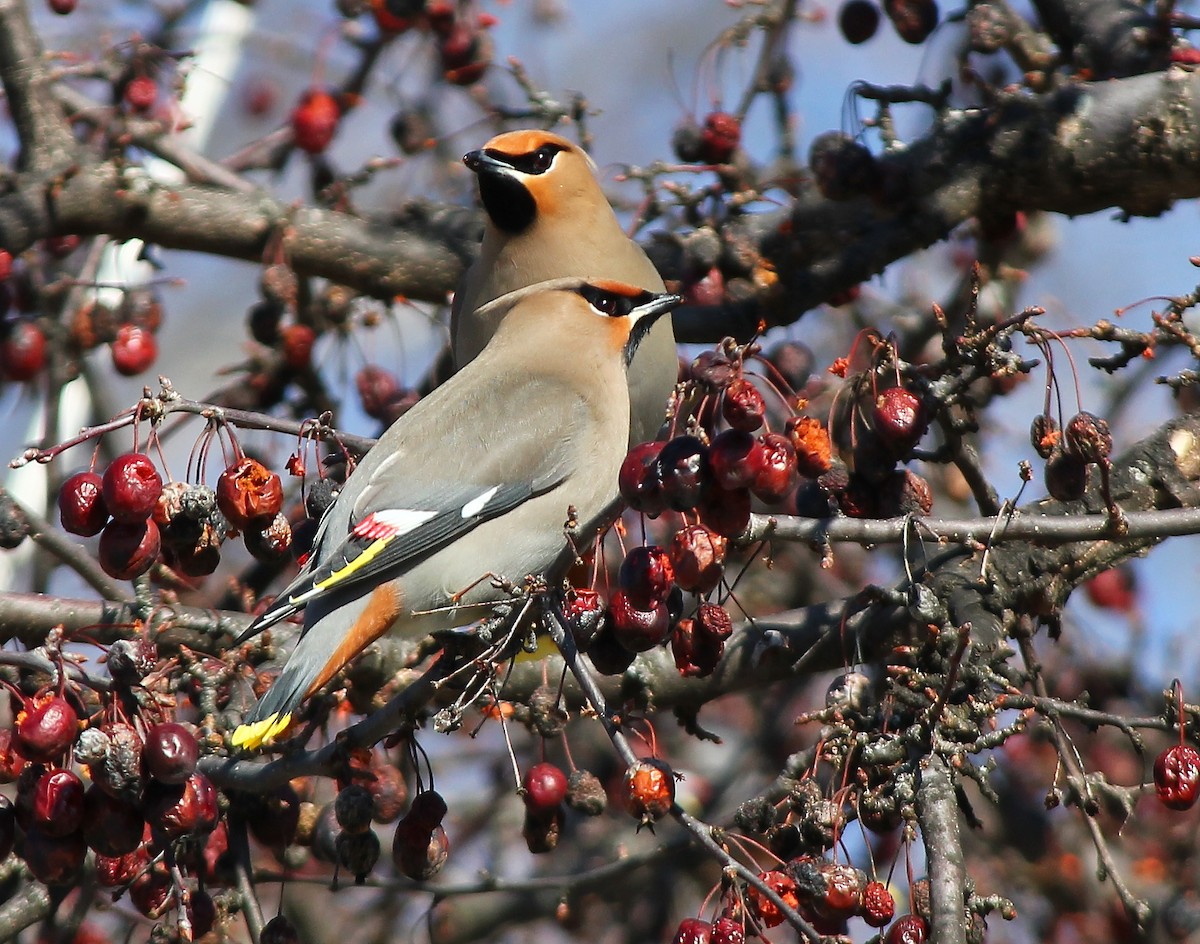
[{"x": 570, "y": 181}]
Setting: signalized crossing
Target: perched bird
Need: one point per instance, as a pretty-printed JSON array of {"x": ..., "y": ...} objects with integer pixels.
[
  {"x": 547, "y": 218},
  {"x": 477, "y": 479}
]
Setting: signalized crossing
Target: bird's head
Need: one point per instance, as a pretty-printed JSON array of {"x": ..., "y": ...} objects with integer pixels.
[
  {"x": 577, "y": 314},
  {"x": 525, "y": 176}
]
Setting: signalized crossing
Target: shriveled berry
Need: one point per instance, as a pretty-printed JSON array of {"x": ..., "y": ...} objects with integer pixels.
[
  {"x": 45, "y": 727},
  {"x": 1066, "y": 476},
  {"x": 696, "y": 655},
  {"x": 248, "y": 492},
  {"x": 714, "y": 370},
  {"x": 151, "y": 891},
  {"x": 858, "y": 20},
  {"x": 130, "y": 660},
  {"x": 698, "y": 558},
  {"x": 585, "y": 793},
  {"x": 1088, "y": 436},
  {"x": 607, "y": 655},
  {"x": 171, "y": 752},
  {"x": 81, "y": 504},
  {"x": 765, "y": 910},
  {"x": 11, "y": 761},
  {"x": 810, "y": 440},
  {"x": 114, "y": 871},
  {"x": 542, "y": 829},
  {"x": 648, "y": 790},
  {"x": 22, "y": 351},
  {"x": 1177, "y": 777},
  {"x": 354, "y": 808},
  {"x": 843, "y": 891},
  {"x": 389, "y": 793},
  {"x": 743, "y": 406},
  {"x": 683, "y": 468},
  {"x": 275, "y": 817},
  {"x": 637, "y": 630},
  {"x": 377, "y": 389},
  {"x": 201, "y": 913},
  {"x": 128, "y": 550},
  {"x": 693, "y": 931},
  {"x": 878, "y": 905},
  {"x": 178, "y": 810},
  {"x": 640, "y": 480},
  {"x": 714, "y": 621},
  {"x": 131, "y": 486},
  {"x": 134, "y": 350},
  {"x": 646, "y": 576},
  {"x": 357, "y": 853},
  {"x": 57, "y": 807},
  {"x": 585, "y": 615},
  {"x": 270, "y": 541},
  {"x": 1044, "y": 434},
  {"x": 545, "y": 787},
  {"x": 396, "y": 16},
  {"x": 315, "y": 120},
  {"x": 419, "y": 852}
]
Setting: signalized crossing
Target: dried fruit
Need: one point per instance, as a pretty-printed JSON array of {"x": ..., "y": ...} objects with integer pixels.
[
  {"x": 810, "y": 440},
  {"x": 639, "y": 479},
  {"x": 45, "y": 727},
  {"x": 177, "y": 810},
  {"x": 585, "y": 793},
  {"x": 683, "y": 469},
  {"x": 1044, "y": 434},
  {"x": 878, "y": 905},
  {"x": 743, "y": 406},
  {"x": 297, "y": 341},
  {"x": 719, "y": 137},
  {"x": 279, "y": 930},
  {"x": 698, "y": 558},
  {"x": 776, "y": 473},
  {"x": 1066, "y": 475},
  {"x": 765, "y": 910},
  {"x": 111, "y": 827},
  {"x": 354, "y": 808},
  {"x": 908, "y": 929},
  {"x": 542, "y": 829},
  {"x": 57, "y": 803},
  {"x": 357, "y": 853},
  {"x": 128, "y": 550},
  {"x": 54, "y": 860},
  {"x": 637, "y": 630},
  {"x": 648, "y": 790},
  {"x": 726, "y": 511},
  {"x": 1088, "y": 436},
  {"x": 914, "y": 20},
  {"x": 842, "y": 169},
  {"x": 735, "y": 459},
  {"x": 727, "y": 930},
  {"x": 646, "y": 576},
  {"x": 1177, "y": 777},
  {"x": 249, "y": 493},
  {"x": 899, "y": 420}
]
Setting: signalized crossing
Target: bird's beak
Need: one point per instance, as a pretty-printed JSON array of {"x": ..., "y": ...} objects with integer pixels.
[
  {"x": 645, "y": 315},
  {"x": 480, "y": 162}
]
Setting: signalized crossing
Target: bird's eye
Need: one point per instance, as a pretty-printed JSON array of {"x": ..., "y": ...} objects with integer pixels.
[
  {"x": 609, "y": 304},
  {"x": 613, "y": 304},
  {"x": 543, "y": 157}
]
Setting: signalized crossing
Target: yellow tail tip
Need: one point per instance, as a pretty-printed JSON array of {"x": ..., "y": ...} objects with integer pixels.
[{"x": 247, "y": 737}]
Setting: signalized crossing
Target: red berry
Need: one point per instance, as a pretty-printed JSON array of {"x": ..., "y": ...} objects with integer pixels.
[
  {"x": 11, "y": 762},
  {"x": 1088, "y": 436},
  {"x": 696, "y": 655},
  {"x": 22, "y": 351},
  {"x": 693, "y": 931},
  {"x": 249, "y": 493},
  {"x": 113, "y": 871},
  {"x": 843, "y": 893},
  {"x": 1113, "y": 589},
  {"x": 395, "y": 16},
  {"x": 545, "y": 787},
  {"x": 647, "y": 576},
  {"x": 683, "y": 468},
  {"x": 720, "y": 137},
  {"x": 727, "y": 930},
  {"x": 111, "y": 827},
  {"x": 465, "y": 54},
  {"x": 810, "y": 440},
  {"x": 914, "y": 20},
  {"x": 714, "y": 370},
  {"x": 776, "y": 475},
  {"x": 170, "y": 752},
  {"x": 698, "y": 557},
  {"x": 640, "y": 481},
  {"x": 735, "y": 458},
  {"x": 709, "y": 289},
  {"x": 45, "y": 727},
  {"x": 63, "y": 7},
  {"x": 298, "y": 340},
  {"x": 908, "y": 929},
  {"x": 377, "y": 388},
  {"x": 878, "y": 905},
  {"x": 184, "y": 809},
  {"x": 129, "y": 550},
  {"x": 726, "y": 511},
  {"x": 141, "y": 93},
  {"x": 743, "y": 406},
  {"x": 81, "y": 505},
  {"x": 1177, "y": 777},
  {"x": 201, "y": 912},
  {"x": 762, "y": 907},
  {"x": 131, "y": 486},
  {"x": 61, "y": 246},
  {"x": 635, "y": 629},
  {"x": 134, "y": 350},
  {"x": 315, "y": 120},
  {"x": 585, "y": 611},
  {"x": 6, "y": 263},
  {"x": 54, "y": 860},
  {"x": 899, "y": 419},
  {"x": 648, "y": 790},
  {"x": 58, "y": 803},
  {"x": 858, "y": 20},
  {"x": 151, "y": 891}
]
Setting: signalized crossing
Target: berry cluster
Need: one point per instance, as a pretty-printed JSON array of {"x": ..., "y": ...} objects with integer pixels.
[
  {"x": 913, "y": 20},
  {"x": 1069, "y": 450},
  {"x": 140, "y": 520}
]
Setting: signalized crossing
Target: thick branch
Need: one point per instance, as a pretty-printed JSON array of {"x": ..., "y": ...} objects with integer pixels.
[
  {"x": 937, "y": 811},
  {"x": 45, "y": 138}
]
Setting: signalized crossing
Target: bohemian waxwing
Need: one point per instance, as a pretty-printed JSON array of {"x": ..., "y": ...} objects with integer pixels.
[
  {"x": 476, "y": 479},
  {"x": 547, "y": 218}
]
